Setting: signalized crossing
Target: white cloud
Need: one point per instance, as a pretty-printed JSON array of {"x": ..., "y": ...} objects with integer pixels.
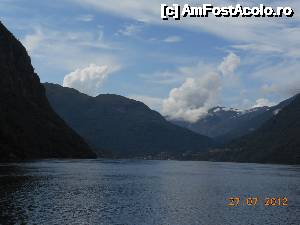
[
  {"x": 200, "y": 90},
  {"x": 263, "y": 102},
  {"x": 130, "y": 30},
  {"x": 173, "y": 39},
  {"x": 230, "y": 63},
  {"x": 86, "y": 18},
  {"x": 193, "y": 98},
  {"x": 88, "y": 80}
]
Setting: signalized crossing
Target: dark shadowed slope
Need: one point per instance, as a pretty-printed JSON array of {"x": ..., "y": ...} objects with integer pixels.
[
  {"x": 29, "y": 128},
  {"x": 276, "y": 141},
  {"x": 124, "y": 126}
]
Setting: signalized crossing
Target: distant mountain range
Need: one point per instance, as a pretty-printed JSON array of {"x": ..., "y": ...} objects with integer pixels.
[
  {"x": 123, "y": 126},
  {"x": 276, "y": 141},
  {"x": 128, "y": 128},
  {"x": 226, "y": 124},
  {"x": 268, "y": 134},
  {"x": 29, "y": 128}
]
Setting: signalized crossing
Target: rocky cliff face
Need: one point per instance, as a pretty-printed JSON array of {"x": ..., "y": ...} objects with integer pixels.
[{"x": 29, "y": 128}]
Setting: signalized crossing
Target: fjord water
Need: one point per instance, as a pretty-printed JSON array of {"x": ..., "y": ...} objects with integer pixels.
[{"x": 137, "y": 192}]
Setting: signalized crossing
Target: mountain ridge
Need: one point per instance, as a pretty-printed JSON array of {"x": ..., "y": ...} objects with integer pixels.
[
  {"x": 226, "y": 124},
  {"x": 124, "y": 126}
]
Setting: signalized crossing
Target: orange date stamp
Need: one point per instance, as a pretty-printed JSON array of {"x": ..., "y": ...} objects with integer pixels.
[{"x": 253, "y": 201}]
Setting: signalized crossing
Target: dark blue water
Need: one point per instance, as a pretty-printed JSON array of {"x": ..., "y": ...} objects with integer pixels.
[{"x": 145, "y": 192}]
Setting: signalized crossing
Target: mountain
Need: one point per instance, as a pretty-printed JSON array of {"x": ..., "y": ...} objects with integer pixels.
[
  {"x": 220, "y": 121},
  {"x": 126, "y": 127},
  {"x": 276, "y": 141},
  {"x": 225, "y": 124},
  {"x": 29, "y": 128}
]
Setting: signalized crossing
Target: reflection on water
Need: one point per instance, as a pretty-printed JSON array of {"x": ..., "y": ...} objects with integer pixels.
[{"x": 145, "y": 192}]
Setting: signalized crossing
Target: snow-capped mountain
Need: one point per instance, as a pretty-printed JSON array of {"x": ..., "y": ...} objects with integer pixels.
[{"x": 225, "y": 124}]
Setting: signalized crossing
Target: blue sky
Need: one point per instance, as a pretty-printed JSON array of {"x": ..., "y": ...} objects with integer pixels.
[{"x": 180, "y": 68}]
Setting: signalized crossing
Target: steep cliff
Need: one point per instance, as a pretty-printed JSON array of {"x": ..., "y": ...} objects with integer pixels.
[{"x": 29, "y": 128}]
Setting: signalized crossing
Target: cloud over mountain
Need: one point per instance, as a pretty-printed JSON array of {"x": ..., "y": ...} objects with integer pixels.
[
  {"x": 263, "y": 102},
  {"x": 89, "y": 79},
  {"x": 193, "y": 98},
  {"x": 199, "y": 92}
]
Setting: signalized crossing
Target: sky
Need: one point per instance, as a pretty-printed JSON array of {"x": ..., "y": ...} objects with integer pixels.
[{"x": 179, "y": 68}]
